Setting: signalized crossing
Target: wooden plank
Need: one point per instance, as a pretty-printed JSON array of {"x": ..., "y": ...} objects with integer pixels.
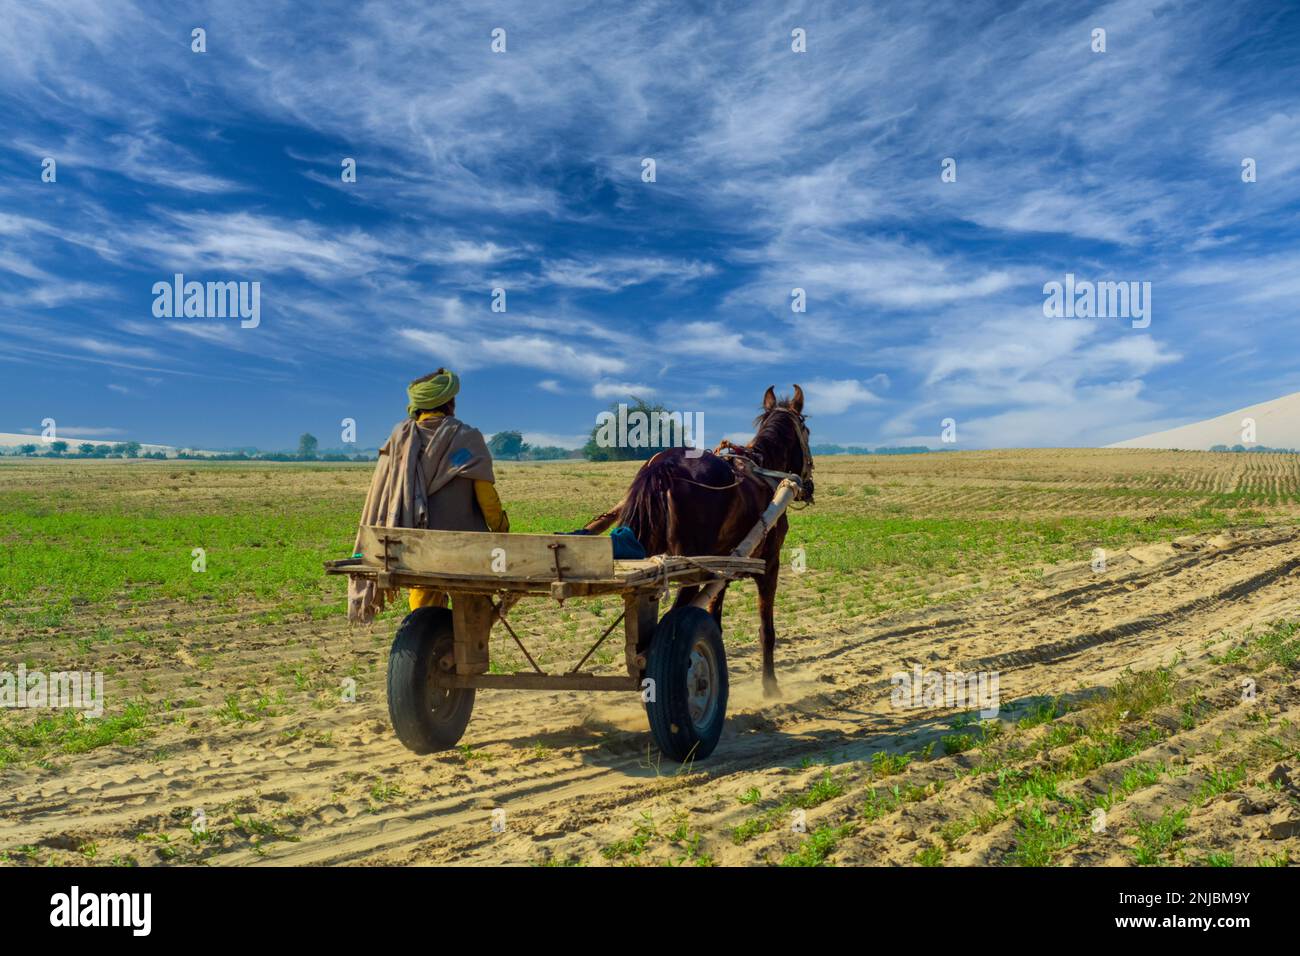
[
  {"x": 471, "y": 618},
  {"x": 482, "y": 584},
  {"x": 640, "y": 617},
  {"x": 718, "y": 562},
  {"x": 487, "y": 554},
  {"x": 697, "y": 569},
  {"x": 486, "y": 584}
]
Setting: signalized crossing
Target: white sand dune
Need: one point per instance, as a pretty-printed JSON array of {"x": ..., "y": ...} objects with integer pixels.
[
  {"x": 1277, "y": 425},
  {"x": 14, "y": 439}
]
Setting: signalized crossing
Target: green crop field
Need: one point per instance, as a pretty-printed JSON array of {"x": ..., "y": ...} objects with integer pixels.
[{"x": 886, "y": 531}]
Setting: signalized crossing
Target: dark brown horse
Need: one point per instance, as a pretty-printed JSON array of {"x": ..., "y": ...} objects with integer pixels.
[{"x": 706, "y": 504}]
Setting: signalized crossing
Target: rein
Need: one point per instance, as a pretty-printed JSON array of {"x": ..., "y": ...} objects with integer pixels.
[
  {"x": 700, "y": 484},
  {"x": 752, "y": 459}
]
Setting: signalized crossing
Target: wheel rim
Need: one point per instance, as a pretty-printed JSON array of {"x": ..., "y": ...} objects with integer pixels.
[
  {"x": 702, "y": 684},
  {"x": 437, "y": 699}
]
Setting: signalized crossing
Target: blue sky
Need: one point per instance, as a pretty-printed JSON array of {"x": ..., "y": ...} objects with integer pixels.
[{"x": 523, "y": 170}]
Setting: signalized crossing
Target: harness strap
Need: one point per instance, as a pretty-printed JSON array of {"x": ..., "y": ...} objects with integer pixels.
[
  {"x": 746, "y": 453},
  {"x": 700, "y": 484},
  {"x": 743, "y": 453}
]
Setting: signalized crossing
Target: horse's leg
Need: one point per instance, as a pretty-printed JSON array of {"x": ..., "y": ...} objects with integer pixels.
[{"x": 766, "y": 625}]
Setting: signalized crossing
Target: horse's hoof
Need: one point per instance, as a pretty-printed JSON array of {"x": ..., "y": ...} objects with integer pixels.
[{"x": 770, "y": 689}]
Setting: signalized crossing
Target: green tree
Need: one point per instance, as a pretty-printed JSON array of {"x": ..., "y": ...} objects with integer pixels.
[
  {"x": 597, "y": 450},
  {"x": 86, "y": 448},
  {"x": 58, "y": 447},
  {"x": 26, "y": 449},
  {"x": 507, "y": 445},
  {"x": 307, "y": 445}
]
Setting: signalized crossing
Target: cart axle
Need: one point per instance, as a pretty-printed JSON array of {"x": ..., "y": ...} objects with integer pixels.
[{"x": 537, "y": 681}]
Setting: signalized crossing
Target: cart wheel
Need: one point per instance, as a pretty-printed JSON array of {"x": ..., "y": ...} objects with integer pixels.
[
  {"x": 689, "y": 669},
  {"x": 426, "y": 718}
]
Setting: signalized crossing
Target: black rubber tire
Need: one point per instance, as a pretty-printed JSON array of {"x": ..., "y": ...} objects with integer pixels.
[
  {"x": 426, "y": 718},
  {"x": 677, "y": 735}
]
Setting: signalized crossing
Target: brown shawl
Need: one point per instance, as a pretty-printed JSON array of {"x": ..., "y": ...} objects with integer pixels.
[{"x": 418, "y": 459}]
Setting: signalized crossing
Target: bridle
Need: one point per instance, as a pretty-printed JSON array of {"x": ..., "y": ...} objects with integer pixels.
[{"x": 747, "y": 458}]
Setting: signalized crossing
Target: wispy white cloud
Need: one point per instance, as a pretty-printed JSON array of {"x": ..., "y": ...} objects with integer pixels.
[
  {"x": 621, "y": 390},
  {"x": 711, "y": 342},
  {"x": 107, "y": 348},
  {"x": 835, "y": 396},
  {"x": 612, "y": 274},
  {"x": 143, "y": 155},
  {"x": 527, "y": 351}
]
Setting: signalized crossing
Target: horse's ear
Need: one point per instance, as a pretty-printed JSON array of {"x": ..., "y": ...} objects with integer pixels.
[
  {"x": 797, "y": 402},
  {"x": 769, "y": 398}
]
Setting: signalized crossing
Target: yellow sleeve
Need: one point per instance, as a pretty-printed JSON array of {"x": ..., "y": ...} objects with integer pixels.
[{"x": 490, "y": 505}]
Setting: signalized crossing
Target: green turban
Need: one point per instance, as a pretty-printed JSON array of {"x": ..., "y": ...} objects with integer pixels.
[{"x": 432, "y": 392}]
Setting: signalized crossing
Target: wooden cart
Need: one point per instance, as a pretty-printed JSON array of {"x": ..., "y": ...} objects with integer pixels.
[{"x": 440, "y": 657}]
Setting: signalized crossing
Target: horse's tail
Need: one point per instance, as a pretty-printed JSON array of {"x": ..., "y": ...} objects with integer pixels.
[
  {"x": 647, "y": 509},
  {"x": 602, "y": 523}
]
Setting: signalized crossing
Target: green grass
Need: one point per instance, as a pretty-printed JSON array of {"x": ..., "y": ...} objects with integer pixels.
[
  {"x": 818, "y": 846},
  {"x": 957, "y": 743},
  {"x": 1029, "y": 777},
  {"x": 644, "y": 832},
  {"x": 266, "y": 529},
  {"x": 67, "y": 732},
  {"x": 1158, "y": 838},
  {"x": 881, "y": 803},
  {"x": 682, "y": 843},
  {"x": 1220, "y": 782},
  {"x": 1041, "y": 713},
  {"x": 96, "y": 557},
  {"x": 1042, "y": 834},
  {"x": 259, "y": 832},
  {"x": 1280, "y": 644},
  {"x": 848, "y": 542},
  {"x": 826, "y": 787},
  {"x": 930, "y": 856},
  {"x": 385, "y": 792}
]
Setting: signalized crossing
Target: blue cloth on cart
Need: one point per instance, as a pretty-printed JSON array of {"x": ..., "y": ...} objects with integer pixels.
[
  {"x": 624, "y": 540},
  {"x": 626, "y": 546}
]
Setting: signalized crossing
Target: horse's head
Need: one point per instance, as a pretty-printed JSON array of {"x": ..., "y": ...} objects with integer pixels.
[{"x": 781, "y": 438}]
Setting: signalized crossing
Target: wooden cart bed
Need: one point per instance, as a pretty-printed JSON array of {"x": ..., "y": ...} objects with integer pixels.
[{"x": 560, "y": 566}]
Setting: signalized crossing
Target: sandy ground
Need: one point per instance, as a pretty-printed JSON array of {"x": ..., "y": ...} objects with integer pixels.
[{"x": 317, "y": 781}]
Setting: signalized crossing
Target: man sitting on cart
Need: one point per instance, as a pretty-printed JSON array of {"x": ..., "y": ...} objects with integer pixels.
[
  {"x": 460, "y": 485},
  {"x": 434, "y": 472}
]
